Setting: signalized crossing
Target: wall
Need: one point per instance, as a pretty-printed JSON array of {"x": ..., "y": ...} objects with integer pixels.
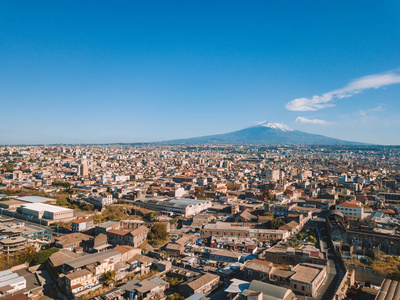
[{"x": 363, "y": 273}]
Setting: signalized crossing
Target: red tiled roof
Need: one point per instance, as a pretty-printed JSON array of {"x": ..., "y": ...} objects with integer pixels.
[{"x": 119, "y": 232}]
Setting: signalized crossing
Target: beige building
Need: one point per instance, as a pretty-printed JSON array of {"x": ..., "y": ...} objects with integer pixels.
[
  {"x": 203, "y": 284},
  {"x": 45, "y": 211}
]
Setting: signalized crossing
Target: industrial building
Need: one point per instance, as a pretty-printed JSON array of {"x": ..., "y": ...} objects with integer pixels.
[
  {"x": 11, "y": 282},
  {"x": 184, "y": 207},
  {"x": 37, "y": 199},
  {"x": 45, "y": 211}
]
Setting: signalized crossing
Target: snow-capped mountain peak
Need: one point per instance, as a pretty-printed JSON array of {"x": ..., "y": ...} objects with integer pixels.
[{"x": 279, "y": 126}]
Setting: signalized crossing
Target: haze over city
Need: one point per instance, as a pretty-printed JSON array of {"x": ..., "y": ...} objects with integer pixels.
[{"x": 144, "y": 71}]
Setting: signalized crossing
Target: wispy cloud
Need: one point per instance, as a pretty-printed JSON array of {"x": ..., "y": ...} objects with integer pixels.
[
  {"x": 318, "y": 102},
  {"x": 366, "y": 112},
  {"x": 304, "y": 120}
]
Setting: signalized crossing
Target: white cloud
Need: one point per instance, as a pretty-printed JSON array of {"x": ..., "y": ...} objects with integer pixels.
[
  {"x": 304, "y": 120},
  {"x": 365, "y": 113},
  {"x": 318, "y": 102}
]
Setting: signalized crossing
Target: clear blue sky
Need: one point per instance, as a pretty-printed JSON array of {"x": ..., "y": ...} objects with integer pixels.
[{"x": 133, "y": 71}]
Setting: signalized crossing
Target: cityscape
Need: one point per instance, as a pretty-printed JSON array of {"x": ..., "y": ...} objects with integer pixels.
[{"x": 199, "y": 150}]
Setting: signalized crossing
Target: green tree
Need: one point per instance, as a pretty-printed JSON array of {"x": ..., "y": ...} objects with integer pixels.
[
  {"x": 109, "y": 277},
  {"x": 199, "y": 193},
  {"x": 158, "y": 234},
  {"x": 175, "y": 296},
  {"x": 42, "y": 256},
  {"x": 275, "y": 223},
  {"x": 174, "y": 281}
]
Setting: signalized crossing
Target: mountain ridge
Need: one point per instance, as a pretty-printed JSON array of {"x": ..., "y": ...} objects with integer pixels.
[{"x": 264, "y": 133}]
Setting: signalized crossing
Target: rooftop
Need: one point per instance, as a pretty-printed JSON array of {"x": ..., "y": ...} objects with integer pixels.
[
  {"x": 45, "y": 207},
  {"x": 35, "y": 199}
]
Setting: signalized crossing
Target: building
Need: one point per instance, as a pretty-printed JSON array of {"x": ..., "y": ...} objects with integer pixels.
[
  {"x": 145, "y": 289},
  {"x": 390, "y": 290},
  {"x": 223, "y": 255},
  {"x": 257, "y": 269},
  {"x": 303, "y": 278},
  {"x": 13, "y": 244},
  {"x": 127, "y": 237},
  {"x": 84, "y": 171},
  {"x": 291, "y": 256},
  {"x": 70, "y": 241},
  {"x": 240, "y": 289},
  {"x": 203, "y": 284},
  {"x": 36, "y": 199},
  {"x": 81, "y": 224},
  {"x": 11, "y": 282},
  {"x": 352, "y": 209},
  {"x": 45, "y": 211},
  {"x": 223, "y": 232},
  {"x": 184, "y": 207}
]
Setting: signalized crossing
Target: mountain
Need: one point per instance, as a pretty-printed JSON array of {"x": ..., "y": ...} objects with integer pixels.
[{"x": 264, "y": 133}]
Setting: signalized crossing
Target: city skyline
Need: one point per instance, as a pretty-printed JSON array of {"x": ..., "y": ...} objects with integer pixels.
[{"x": 100, "y": 72}]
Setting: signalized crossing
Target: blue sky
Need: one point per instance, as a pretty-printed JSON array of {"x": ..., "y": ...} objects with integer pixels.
[{"x": 133, "y": 71}]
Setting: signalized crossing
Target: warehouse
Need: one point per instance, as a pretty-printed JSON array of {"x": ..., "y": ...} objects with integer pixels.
[
  {"x": 37, "y": 199},
  {"x": 45, "y": 211},
  {"x": 11, "y": 282},
  {"x": 184, "y": 207}
]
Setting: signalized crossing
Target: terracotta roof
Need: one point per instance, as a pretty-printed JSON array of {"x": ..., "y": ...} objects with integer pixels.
[
  {"x": 352, "y": 203},
  {"x": 119, "y": 232},
  {"x": 81, "y": 221},
  {"x": 124, "y": 248}
]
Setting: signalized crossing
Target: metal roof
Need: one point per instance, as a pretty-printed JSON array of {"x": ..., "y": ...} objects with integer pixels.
[{"x": 35, "y": 199}]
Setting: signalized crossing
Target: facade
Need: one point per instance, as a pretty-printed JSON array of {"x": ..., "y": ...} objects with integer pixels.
[
  {"x": 352, "y": 209},
  {"x": 257, "y": 269},
  {"x": 12, "y": 245},
  {"x": 127, "y": 237},
  {"x": 304, "y": 278},
  {"x": 45, "y": 211},
  {"x": 223, "y": 232},
  {"x": 81, "y": 224},
  {"x": 11, "y": 282},
  {"x": 203, "y": 284},
  {"x": 223, "y": 255},
  {"x": 184, "y": 207}
]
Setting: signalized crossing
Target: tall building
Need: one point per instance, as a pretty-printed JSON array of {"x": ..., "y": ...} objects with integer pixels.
[{"x": 84, "y": 170}]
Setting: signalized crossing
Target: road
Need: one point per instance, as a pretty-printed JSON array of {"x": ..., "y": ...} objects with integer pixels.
[{"x": 335, "y": 273}]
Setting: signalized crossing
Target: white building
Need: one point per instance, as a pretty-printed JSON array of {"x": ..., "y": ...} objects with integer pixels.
[
  {"x": 11, "y": 282},
  {"x": 352, "y": 209},
  {"x": 45, "y": 211}
]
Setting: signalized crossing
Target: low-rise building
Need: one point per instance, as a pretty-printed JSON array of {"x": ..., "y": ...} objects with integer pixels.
[
  {"x": 45, "y": 211},
  {"x": 81, "y": 224},
  {"x": 203, "y": 284},
  {"x": 352, "y": 209},
  {"x": 11, "y": 282}
]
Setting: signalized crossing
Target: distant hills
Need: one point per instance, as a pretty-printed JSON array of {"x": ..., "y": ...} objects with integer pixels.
[{"x": 264, "y": 133}]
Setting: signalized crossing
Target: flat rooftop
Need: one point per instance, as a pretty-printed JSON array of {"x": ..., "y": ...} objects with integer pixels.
[
  {"x": 45, "y": 207},
  {"x": 35, "y": 199}
]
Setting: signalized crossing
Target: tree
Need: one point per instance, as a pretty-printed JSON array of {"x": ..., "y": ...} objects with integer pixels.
[
  {"x": 109, "y": 278},
  {"x": 267, "y": 195},
  {"x": 62, "y": 184},
  {"x": 158, "y": 233},
  {"x": 268, "y": 214},
  {"x": 175, "y": 296},
  {"x": 275, "y": 223},
  {"x": 42, "y": 256},
  {"x": 312, "y": 239},
  {"x": 174, "y": 281},
  {"x": 199, "y": 193}
]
